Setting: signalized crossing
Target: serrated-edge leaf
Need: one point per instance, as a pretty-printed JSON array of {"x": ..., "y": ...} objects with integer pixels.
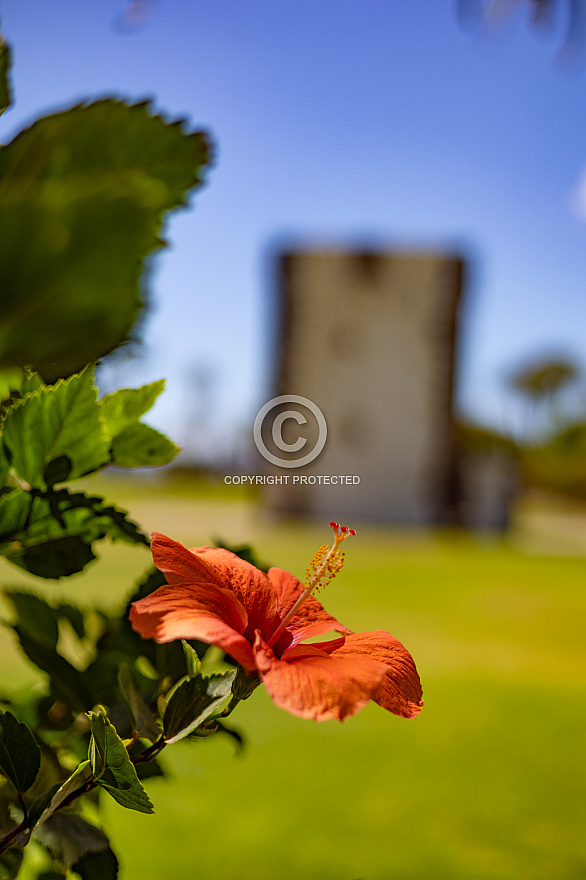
[
  {"x": 97, "y": 208},
  {"x": 191, "y": 659},
  {"x": 54, "y": 421},
  {"x": 125, "y": 406},
  {"x": 193, "y": 702},
  {"x": 112, "y": 767},
  {"x": 60, "y": 529},
  {"x": 140, "y": 445}
]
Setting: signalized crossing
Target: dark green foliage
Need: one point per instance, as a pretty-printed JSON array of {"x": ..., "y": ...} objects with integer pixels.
[
  {"x": 69, "y": 838},
  {"x": 20, "y": 756},
  {"x": 83, "y": 195},
  {"x": 112, "y": 767},
  {"x": 194, "y": 702},
  {"x": 141, "y": 716},
  {"x": 51, "y": 534},
  {"x": 57, "y": 433},
  {"x": 102, "y": 865},
  {"x": 52, "y": 800},
  {"x": 68, "y": 683},
  {"x": 36, "y": 617},
  {"x": 49, "y": 875}
]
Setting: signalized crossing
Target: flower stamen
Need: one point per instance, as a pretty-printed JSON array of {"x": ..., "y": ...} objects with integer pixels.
[{"x": 323, "y": 568}]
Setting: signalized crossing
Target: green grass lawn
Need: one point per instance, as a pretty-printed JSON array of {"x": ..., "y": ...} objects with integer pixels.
[{"x": 489, "y": 781}]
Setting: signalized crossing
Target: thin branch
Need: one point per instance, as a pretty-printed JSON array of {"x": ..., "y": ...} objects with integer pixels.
[{"x": 24, "y": 826}]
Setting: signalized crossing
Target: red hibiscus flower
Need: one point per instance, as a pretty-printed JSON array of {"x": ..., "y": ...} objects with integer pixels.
[{"x": 262, "y": 621}]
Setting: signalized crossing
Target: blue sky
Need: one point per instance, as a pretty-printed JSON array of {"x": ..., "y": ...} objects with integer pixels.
[{"x": 336, "y": 121}]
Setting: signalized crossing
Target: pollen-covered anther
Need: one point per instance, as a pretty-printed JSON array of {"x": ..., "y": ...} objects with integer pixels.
[{"x": 323, "y": 568}]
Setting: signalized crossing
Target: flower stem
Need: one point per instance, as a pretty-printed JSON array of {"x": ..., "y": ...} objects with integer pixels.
[{"x": 24, "y": 826}]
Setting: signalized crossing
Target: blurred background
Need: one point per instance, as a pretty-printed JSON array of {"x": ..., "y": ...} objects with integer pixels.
[
  {"x": 380, "y": 126},
  {"x": 394, "y": 227}
]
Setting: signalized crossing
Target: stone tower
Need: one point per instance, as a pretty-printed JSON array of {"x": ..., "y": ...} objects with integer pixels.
[{"x": 369, "y": 337}]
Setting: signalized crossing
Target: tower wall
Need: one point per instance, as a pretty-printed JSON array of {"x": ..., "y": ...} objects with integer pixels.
[{"x": 370, "y": 338}]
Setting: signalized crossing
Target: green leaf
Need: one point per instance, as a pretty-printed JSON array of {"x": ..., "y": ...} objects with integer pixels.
[
  {"x": 142, "y": 717},
  {"x": 33, "y": 383},
  {"x": 135, "y": 444},
  {"x": 54, "y": 538},
  {"x": 101, "y": 865},
  {"x": 39, "y": 619},
  {"x": 125, "y": 406},
  {"x": 244, "y": 685},
  {"x": 46, "y": 806},
  {"x": 112, "y": 767},
  {"x": 193, "y": 702},
  {"x": 39, "y": 806},
  {"x": 83, "y": 194},
  {"x": 142, "y": 446},
  {"x": 74, "y": 616},
  {"x": 68, "y": 838},
  {"x": 20, "y": 756},
  {"x": 57, "y": 421},
  {"x": 4, "y": 465},
  {"x": 191, "y": 659},
  {"x": 5, "y": 91},
  {"x": 35, "y": 617},
  {"x": 68, "y": 682},
  {"x": 14, "y": 509},
  {"x": 56, "y": 558}
]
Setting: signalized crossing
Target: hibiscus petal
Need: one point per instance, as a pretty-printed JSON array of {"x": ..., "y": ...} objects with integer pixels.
[
  {"x": 310, "y": 620},
  {"x": 287, "y": 589},
  {"x": 202, "y": 611},
  {"x": 200, "y": 565},
  {"x": 400, "y": 690},
  {"x": 178, "y": 564},
  {"x": 249, "y": 584},
  {"x": 313, "y": 684}
]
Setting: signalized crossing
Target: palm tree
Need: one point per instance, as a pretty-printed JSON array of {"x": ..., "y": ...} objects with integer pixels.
[{"x": 541, "y": 381}]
